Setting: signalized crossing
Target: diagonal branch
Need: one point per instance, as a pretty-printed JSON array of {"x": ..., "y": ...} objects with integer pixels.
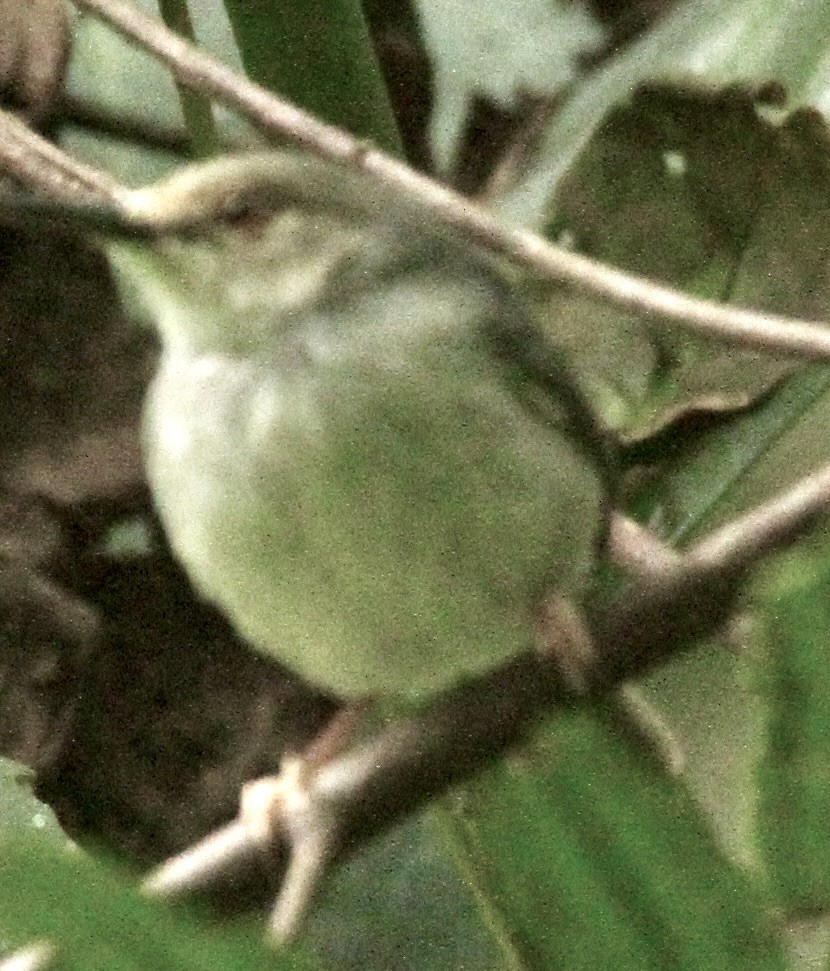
[
  {"x": 38, "y": 164},
  {"x": 198, "y": 70}
]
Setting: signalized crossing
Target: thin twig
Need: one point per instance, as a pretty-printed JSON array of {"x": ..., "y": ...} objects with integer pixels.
[
  {"x": 310, "y": 860},
  {"x": 202, "y": 72},
  {"x": 772, "y": 526},
  {"x": 38, "y": 164},
  {"x": 224, "y": 852}
]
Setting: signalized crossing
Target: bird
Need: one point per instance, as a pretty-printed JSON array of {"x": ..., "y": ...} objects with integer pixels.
[{"x": 360, "y": 444}]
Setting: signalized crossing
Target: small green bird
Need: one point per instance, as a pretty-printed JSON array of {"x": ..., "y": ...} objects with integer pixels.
[{"x": 360, "y": 448}]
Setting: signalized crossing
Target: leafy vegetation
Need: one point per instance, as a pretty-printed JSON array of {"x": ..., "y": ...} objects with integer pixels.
[{"x": 686, "y": 144}]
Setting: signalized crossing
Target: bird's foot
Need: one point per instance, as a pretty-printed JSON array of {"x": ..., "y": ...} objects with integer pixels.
[{"x": 275, "y": 813}]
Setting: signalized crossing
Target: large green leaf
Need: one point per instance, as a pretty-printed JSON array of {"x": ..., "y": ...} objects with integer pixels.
[
  {"x": 794, "y": 776},
  {"x": 709, "y": 699},
  {"x": 725, "y": 471},
  {"x": 400, "y": 903},
  {"x": 99, "y": 925},
  {"x": 319, "y": 55},
  {"x": 722, "y": 473},
  {"x": 705, "y": 196},
  {"x": 587, "y": 858}
]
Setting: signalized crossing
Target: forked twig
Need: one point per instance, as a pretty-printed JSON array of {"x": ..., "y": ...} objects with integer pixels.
[{"x": 198, "y": 70}]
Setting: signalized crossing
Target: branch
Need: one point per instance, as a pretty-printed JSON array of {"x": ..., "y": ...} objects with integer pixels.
[
  {"x": 38, "y": 164},
  {"x": 198, "y": 70},
  {"x": 328, "y": 811},
  {"x": 773, "y": 525}
]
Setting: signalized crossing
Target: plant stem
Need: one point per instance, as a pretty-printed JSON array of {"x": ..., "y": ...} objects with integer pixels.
[{"x": 196, "y": 108}]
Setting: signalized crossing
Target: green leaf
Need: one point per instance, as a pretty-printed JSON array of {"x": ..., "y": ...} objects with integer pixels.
[
  {"x": 794, "y": 776},
  {"x": 589, "y": 859},
  {"x": 719, "y": 474},
  {"x": 398, "y": 902},
  {"x": 97, "y": 924},
  {"x": 704, "y": 46},
  {"x": 319, "y": 55},
  {"x": 709, "y": 699},
  {"x": 703, "y": 195}
]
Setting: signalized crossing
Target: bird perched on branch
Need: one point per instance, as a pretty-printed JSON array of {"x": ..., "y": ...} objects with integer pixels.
[{"x": 360, "y": 446}]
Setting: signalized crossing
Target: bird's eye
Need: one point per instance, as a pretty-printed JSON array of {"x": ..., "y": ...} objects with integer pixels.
[
  {"x": 247, "y": 212},
  {"x": 238, "y": 209}
]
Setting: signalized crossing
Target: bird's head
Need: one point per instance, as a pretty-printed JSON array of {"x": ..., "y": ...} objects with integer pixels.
[{"x": 227, "y": 254}]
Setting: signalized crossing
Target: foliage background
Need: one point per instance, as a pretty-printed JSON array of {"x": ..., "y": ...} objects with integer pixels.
[{"x": 686, "y": 142}]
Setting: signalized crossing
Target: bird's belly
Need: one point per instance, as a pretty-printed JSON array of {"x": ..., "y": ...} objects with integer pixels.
[
  {"x": 371, "y": 547},
  {"x": 209, "y": 447}
]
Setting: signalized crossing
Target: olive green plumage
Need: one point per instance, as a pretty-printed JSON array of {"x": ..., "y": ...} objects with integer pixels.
[{"x": 360, "y": 449}]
